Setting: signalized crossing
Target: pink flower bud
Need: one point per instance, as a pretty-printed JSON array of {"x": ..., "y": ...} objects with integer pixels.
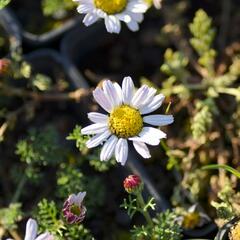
[
  {"x": 4, "y": 65},
  {"x": 132, "y": 183}
]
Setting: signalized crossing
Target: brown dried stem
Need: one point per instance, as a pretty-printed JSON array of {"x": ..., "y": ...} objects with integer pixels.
[{"x": 75, "y": 95}]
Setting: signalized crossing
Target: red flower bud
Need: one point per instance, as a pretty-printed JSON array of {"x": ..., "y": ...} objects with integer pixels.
[
  {"x": 4, "y": 65},
  {"x": 132, "y": 183}
]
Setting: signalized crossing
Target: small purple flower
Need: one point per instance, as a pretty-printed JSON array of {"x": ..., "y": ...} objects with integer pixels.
[{"x": 73, "y": 209}]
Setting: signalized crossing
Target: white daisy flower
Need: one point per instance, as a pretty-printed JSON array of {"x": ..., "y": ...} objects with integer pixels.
[
  {"x": 113, "y": 11},
  {"x": 31, "y": 232},
  {"x": 125, "y": 120}
]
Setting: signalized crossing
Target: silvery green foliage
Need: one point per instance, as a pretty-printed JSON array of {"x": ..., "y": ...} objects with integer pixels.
[
  {"x": 203, "y": 37},
  {"x": 174, "y": 66},
  {"x": 203, "y": 118},
  {"x": 41, "y": 82},
  {"x": 165, "y": 227},
  {"x": 57, "y": 8},
  {"x": 9, "y": 216},
  {"x": 70, "y": 179},
  {"x": 4, "y": 3},
  {"x": 40, "y": 147},
  {"x": 132, "y": 207},
  {"x": 224, "y": 206},
  {"x": 80, "y": 139},
  {"x": 205, "y": 85}
]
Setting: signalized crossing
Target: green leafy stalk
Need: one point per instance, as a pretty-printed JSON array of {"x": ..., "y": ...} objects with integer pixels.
[
  {"x": 144, "y": 207},
  {"x": 222, "y": 166}
]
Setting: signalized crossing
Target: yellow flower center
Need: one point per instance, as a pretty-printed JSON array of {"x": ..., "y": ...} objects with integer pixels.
[
  {"x": 111, "y": 6},
  {"x": 235, "y": 232},
  {"x": 191, "y": 220},
  {"x": 125, "y": 122},
  {"x": 75, "y": 210}
]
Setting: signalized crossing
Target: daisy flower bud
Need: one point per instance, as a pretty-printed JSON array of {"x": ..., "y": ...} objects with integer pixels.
[
  {"x": 73, "y": 209},
  {"x": 4, "y": 65},
  {"x": 132, "y": 183}
]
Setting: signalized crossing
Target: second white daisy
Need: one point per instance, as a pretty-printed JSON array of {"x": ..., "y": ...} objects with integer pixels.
[
  {"x": 114, "y": 11},
  {"x": 125, "y": 120}
]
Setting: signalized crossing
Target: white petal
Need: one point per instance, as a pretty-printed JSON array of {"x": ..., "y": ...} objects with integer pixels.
[
  {"x": 152, "y": 132},
  {"x": 98, "y": 139},
  {"x": 127, "y": 89},
  {"x": 124, "y": 16},
  {"x": 139, "y": 96},
  {"x": 157, "y": 3},
  {"x": 95, "y": 128},
  {"x": 97, "y": 117},
  {"x": 149, "y": 97},
  {"x": 45, "y": 236},
  {"x": 100, "y": 13},
  {"x": 154, "y": 105},
  {"x": 142, "y": 149},
  {"x": 84, "y": 8},
  {"x": 111, "y": 93},
  {"x": 101, "y": 99},
  {"x": 150, "y": 136},
  {"x": 121, "y": 151},
  {"x": 89, "y": 19},
  {"x": 108, "y": 148},
  {"x": 145, "y": 139},
  {"x": 31, "y": 230},
  {"x": 137, "y": 7},
  {"x": 119, "y": 92},
  {"x": 138, "y": 17},
  {"x": 158, "y": 119},
  {"x": 72, "y": 198},
  {"x": 133, "y": 25},
  {"x": 80, "y": 197},
  {"x": 112, "y": 24}
]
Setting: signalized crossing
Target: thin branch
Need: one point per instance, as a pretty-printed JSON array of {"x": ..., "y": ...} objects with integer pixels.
[
  {"x": 12, "y": 116},
  {"x": 75, "y": 95},
  {"x": 15, "y": 234}
]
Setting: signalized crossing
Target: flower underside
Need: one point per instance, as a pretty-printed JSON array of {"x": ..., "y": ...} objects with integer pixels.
[
  {"x": 125, "y": 122},
  {"x": 111, "y": 6}
]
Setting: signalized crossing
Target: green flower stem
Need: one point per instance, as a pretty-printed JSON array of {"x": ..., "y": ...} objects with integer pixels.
[
  {"x": 195, "y": 86},
  {"x": 142, "y": 205},
  {"x": 164, "y": 145},
  {"x": 19, "y": 189}
]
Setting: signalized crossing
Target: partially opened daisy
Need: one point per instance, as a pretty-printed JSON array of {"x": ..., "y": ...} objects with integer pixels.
[
  {"x": 113, "y": 11},
  {"x": 31, "y": 232},
  {"x": 73, "y": 209},
  {"x": 127, "y": 109}
]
